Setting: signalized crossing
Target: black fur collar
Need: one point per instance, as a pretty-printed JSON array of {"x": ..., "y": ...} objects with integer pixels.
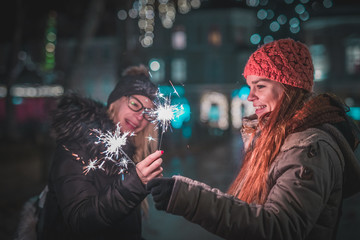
[{"x": 76, "y": 116}]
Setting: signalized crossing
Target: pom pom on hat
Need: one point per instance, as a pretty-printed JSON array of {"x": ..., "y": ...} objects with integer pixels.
[{"x": 285, "y": 61}]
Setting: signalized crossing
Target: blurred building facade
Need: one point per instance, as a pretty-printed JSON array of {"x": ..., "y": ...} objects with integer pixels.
[
  {"x": 334, "y": 40},
  {"x": 201, "y": 57}
]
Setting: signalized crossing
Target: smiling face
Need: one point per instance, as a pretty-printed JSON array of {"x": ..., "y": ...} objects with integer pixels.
[
  {"x": 129, "y": 119},
  {"x": 264, "y": 94}
]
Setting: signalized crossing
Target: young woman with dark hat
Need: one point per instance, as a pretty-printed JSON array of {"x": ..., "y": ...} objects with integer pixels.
[
  {"x": 299, "y": 163},
  {"x": 104, "y": 203}
]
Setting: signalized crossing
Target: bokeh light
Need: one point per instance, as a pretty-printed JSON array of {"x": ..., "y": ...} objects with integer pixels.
[{"x": 255, "y": 38}]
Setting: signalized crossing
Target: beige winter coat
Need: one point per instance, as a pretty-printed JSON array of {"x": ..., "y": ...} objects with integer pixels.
[{"x": 306, "y": 189}]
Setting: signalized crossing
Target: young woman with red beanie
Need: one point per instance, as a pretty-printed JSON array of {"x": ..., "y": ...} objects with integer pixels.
[
  {"x": 299, "y": 162},
  {"x": 88, "y": 201}
]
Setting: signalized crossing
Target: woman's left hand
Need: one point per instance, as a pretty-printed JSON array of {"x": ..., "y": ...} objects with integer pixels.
[{"x": 150, "y": 167}]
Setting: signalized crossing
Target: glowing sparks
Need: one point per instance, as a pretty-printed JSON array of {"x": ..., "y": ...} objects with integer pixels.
[
  {"x": 91, "y": 166},
  {"x": 150, "y": 138},
  {"x": 165, "y": 112},
  {"x": 112, "y": 141},
  {"x": 123, "y": 163}
]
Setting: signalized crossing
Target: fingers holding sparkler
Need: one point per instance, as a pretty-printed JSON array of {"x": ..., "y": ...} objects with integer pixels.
[{"x": 150, "y": 167}]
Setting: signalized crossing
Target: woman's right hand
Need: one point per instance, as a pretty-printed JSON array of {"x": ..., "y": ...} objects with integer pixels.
[{"x": 150, "y": 167}]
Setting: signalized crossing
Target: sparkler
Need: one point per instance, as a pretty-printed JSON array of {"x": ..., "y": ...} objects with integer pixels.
[
  {"x": 164, "y": 112},
  {"x": 113, "y": 142}
]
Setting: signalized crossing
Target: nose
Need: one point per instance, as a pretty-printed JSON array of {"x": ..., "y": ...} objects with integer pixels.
[
  {"x": 140, "y": 115},
  {"x": 251, "y": 96}
]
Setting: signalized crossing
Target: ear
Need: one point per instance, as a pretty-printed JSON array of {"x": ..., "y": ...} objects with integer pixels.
[{"x": 111, "y": 111}]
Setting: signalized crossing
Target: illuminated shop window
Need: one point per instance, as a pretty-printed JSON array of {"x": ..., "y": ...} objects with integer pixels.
[
  {"x": 178, "y": 70},
  {"x": 20, "y": 91},
  {"x": 321, "y": 62},
  {"x": 157, "y": 70},
  {"x": 353, "y": 56},
  {"x": 214, "y": 110},
  {"x": 178, "y": 38},
  {"x": 214, "y": 37}
]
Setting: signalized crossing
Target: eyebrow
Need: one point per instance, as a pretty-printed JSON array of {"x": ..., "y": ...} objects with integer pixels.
[
  {"x": 259, "y": 80},
  {"x": 142, "y": 104}
]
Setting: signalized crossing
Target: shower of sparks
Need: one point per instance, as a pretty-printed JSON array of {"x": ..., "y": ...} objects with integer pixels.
[
  {"x": 164, "y": 113},
  {"x": 113, "y": 142}
]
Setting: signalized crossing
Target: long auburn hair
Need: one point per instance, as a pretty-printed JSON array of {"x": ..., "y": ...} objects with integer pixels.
[{"x": 251, "y": 184}]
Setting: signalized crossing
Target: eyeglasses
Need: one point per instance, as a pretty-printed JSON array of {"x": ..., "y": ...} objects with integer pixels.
[{"x": 135, "y": 105}]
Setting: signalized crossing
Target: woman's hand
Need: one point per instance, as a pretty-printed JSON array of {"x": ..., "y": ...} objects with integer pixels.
[{"x": 150, "y": 167}]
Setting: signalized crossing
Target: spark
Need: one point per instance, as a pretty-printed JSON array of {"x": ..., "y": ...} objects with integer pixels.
[
  {"x": 123, "y": 163},
  {"x": 91, "y": 166},
  {"x": 174, "y": 89},
  {"x": 150, "y": 138}
]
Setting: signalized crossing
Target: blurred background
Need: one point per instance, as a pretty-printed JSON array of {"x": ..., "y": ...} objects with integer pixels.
[{"x": 197, "y": 48}]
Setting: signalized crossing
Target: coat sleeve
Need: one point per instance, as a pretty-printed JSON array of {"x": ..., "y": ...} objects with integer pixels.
[
  {"x": 86, "y": 208},
  {"x": 303, "y": 179}
]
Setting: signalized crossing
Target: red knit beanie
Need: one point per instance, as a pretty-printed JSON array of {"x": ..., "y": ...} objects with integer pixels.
[{"x": 285, "y": 61}]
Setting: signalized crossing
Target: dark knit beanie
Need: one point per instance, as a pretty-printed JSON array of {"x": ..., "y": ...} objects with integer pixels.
[
  {"x": 286, "y": 61},
  {"x": 133, "y": 85}
]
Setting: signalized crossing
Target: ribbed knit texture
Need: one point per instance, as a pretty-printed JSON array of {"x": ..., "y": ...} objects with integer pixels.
[{"x": 285, "y": 61}]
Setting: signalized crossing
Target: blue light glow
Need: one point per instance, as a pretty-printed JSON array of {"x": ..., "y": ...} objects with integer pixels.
[
  {"x": 354, "y": 113},
  {"x": 274, "y": 26},
  {"x": 183, "y": 115},
  {"x": 255, "y": 38},
  {"x": 262, "y": 14},
  {"x": 17, "y": 100},
  {"x": 299, "y": 9},
  {"x": 167, "y": 90},
  {"x": 242, "y": 93}
]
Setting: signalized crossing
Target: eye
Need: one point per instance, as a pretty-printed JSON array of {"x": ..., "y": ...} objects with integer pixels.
[
  {"x": 133, "y": 103},
  {"x": 260, "y": 86}
]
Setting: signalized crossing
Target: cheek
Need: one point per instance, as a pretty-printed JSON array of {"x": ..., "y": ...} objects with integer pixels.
[
  {"x": 118, "y": 118},
  {"x": 276, "y": 99},
  {"x": 144, "y": 123}
]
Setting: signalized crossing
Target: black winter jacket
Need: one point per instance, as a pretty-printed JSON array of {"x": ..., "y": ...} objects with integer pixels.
[{"x": 99, "y": 204}]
